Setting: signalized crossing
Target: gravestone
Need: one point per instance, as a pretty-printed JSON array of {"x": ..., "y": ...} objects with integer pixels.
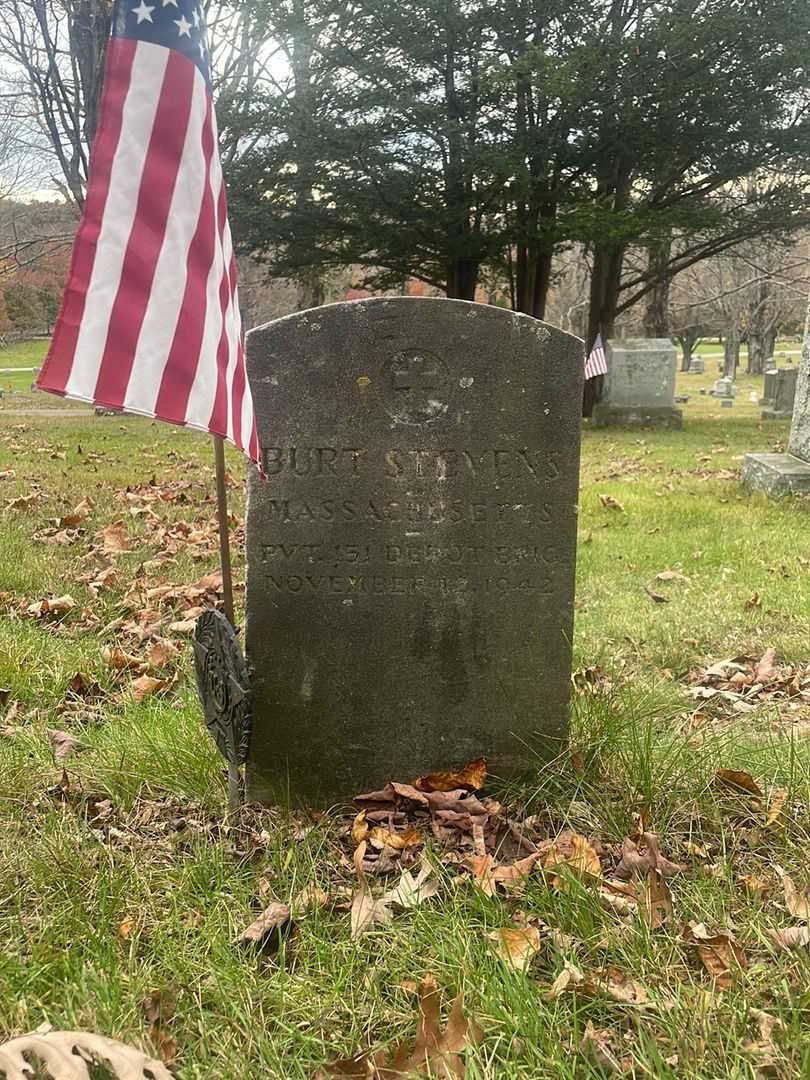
[
  {"x": 697, "y": 365},
  {"x": 639, "y": 388},
  {"x": 782, "y": 474},
  {"x": 410, "y": 551},
  {"x": 769, "y": 385},
  {"x": 724, "y": 388},
  {"x": 781, "y": 407}
]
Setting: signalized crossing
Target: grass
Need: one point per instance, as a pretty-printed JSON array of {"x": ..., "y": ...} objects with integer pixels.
[{"x": 92, "y": 918}]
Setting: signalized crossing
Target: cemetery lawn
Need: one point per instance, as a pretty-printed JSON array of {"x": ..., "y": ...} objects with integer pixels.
[{"x": 120, "y": 876}]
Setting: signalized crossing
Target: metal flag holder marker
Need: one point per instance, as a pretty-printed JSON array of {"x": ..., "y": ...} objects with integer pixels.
[{"x": 224, "y": 688}]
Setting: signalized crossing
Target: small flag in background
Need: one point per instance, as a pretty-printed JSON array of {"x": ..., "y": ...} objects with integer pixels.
[
  {"x": 596, "y": 364},
  {"x": 150, "y": 317}
]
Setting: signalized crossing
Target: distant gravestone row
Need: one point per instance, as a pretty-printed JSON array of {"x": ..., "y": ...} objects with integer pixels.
[
  {"x": 779, "y": 393},
  {"x": 410, "y": 550},
  {"x": 780, "y": 474}
]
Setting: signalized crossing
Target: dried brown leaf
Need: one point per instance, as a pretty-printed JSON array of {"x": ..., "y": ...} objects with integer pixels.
[
  {"x": 412, "y": 890},
  {"x": 471, "y": 778},
  {"x": 580, "y": 858},
  {"x": 66, "y": 1054},
  {"x": 658, "y": 597},
  {"x": 766, "y": 668},
  {"x": 114, "y": 538},
  {"x": 148, "y": 686},
  {"x": 720, "y": 954},
  {"x": 792, "y": 937},
  {"x": 655, "y": 903},
  {"x": 159, "y": 1005},
  {"x": 610, "y": 503},
  {"x": 63, "y": 744},
  {"x": 264, "y": 934},
  {"x": 398, "y": 841},
  {"x": 797, "y": 901},
  {"x": 516, "y": 945},
  {"x": 569, "y": 978},
  {"x": 119, "y": 660},
  {"x": 738, "y": 780},
  {"x": 310, "y": 898},
  {"x": 359, "y": 828}
]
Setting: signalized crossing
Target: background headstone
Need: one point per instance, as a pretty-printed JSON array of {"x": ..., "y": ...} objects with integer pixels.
[
  {"x": 639, "y": 387},
  {"x": 784, "y": 394},
  {"x": 769, "y": 386},
  {"x": 781, "y": 474},
  {"x": 697, "y": 365},
  {"x": 724, "y": 388},
  {"x": 410, "y": 554}
]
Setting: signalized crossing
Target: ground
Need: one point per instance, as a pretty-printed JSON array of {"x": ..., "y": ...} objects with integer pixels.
[{"x": 120, "y": 875}]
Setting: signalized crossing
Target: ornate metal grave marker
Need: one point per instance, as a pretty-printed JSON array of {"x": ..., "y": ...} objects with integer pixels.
[{"x": 224, "y": 688}]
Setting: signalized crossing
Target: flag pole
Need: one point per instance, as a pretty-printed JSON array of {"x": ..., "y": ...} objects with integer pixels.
[{"x": 224, "y": 529}]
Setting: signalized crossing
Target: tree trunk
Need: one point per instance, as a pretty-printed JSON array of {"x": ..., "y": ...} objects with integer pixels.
[
  {"x": 656, "y": 311},
  {"x": 761, "y": 345},
  {"x": 462, "y": 279},
  {"x": 309, "y": 290},
  {"x": 731, "y": 352}
]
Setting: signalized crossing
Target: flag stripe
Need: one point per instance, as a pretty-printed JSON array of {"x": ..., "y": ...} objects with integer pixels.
[
  {"x": 219, "y": 419},
  {"x": 182, "y": 364},
  {"x": 57, "y": 367},
  {"x": 146, "y": 237},
  {"x": 138, "y": 119},
  {"x": 160, "y": 321}
]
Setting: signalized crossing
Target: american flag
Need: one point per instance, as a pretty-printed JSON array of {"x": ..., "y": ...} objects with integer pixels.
[
  {"x": 596, "y": 364},
  {"x": 150, "y": 317}
]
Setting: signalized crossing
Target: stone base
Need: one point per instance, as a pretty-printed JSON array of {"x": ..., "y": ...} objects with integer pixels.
[
  {"x": 636, "y": 416},
  {"x": 772, "y": 414},
  {"x": 776, "y": 474}
]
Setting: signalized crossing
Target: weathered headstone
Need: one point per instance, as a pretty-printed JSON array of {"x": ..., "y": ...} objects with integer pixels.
[
  {"x": 697, "y": 365},
  {"x": 784, "y": 394},
  {"x": 724, "y": 388},
  {"x": 769, "y": 385},
  {"x": 639, "y": 389},
  {"x": 781, "y": 474},
  {"x": 410, "y": 553}
]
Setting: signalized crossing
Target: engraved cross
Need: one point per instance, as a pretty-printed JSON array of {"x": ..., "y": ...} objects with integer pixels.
[{"x": 416, "y": 373}]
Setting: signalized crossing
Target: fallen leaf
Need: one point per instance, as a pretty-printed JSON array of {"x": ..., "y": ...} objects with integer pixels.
[
  {"x": 672, "y": 575},
  {"x": 56, "y": 606},
  {"x": 753, "y": 601},
  {"x": 516, "y": 945},
  {"x": 63, "y": 744},
  {"x": 160, "y": 652},
  {"x": 77, "y": 515},
  {"x": 147, "y": 686},
  {"x": 618, "y": 986},
  {"x": 580, "y": 858},
  {"x": 126, "y": 926},
  {"x": 411, "y": 891},
  {"x": 310, "y": 898},
  {"x": 655, "y": 903},
  {"x": 736, "y": 778},
  {"x": 397, "y": 841},
  {"x": 754, "y": 885},
  {"x": 719, "y": 952},
  {"x": 482, "y": 867},
  {"x": 470, "y": 778},
  {"x": 4, "y": 696},
  {"x": 360, "y": 828},
  {"x": 797, "y": 901},
  {"x": 436, "y": 1053},
  {"x": 517, "y": 872},
  {"x": 610, "y": 503},
  {"x": 114, "y": 538},
  {"x": 264, "y": 934},
  {"x": 569, "y": 978},
  {"x": 65, "y": 1054},
  {"x": 119, "y": 660},
  {"x": 596, "y": 1045},
  {"x": 159, "y": 1005},
  {"x": 765, "y": 669},
  {"x": 365, "y": 910},
  {"x": 638, "y": 859},
  {"x": 792, "y": 937},
  {"x": 659, "y": 598}
]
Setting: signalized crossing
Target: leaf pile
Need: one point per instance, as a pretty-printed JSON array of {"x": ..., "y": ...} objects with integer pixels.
[{"x": 745, "y": 682}]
